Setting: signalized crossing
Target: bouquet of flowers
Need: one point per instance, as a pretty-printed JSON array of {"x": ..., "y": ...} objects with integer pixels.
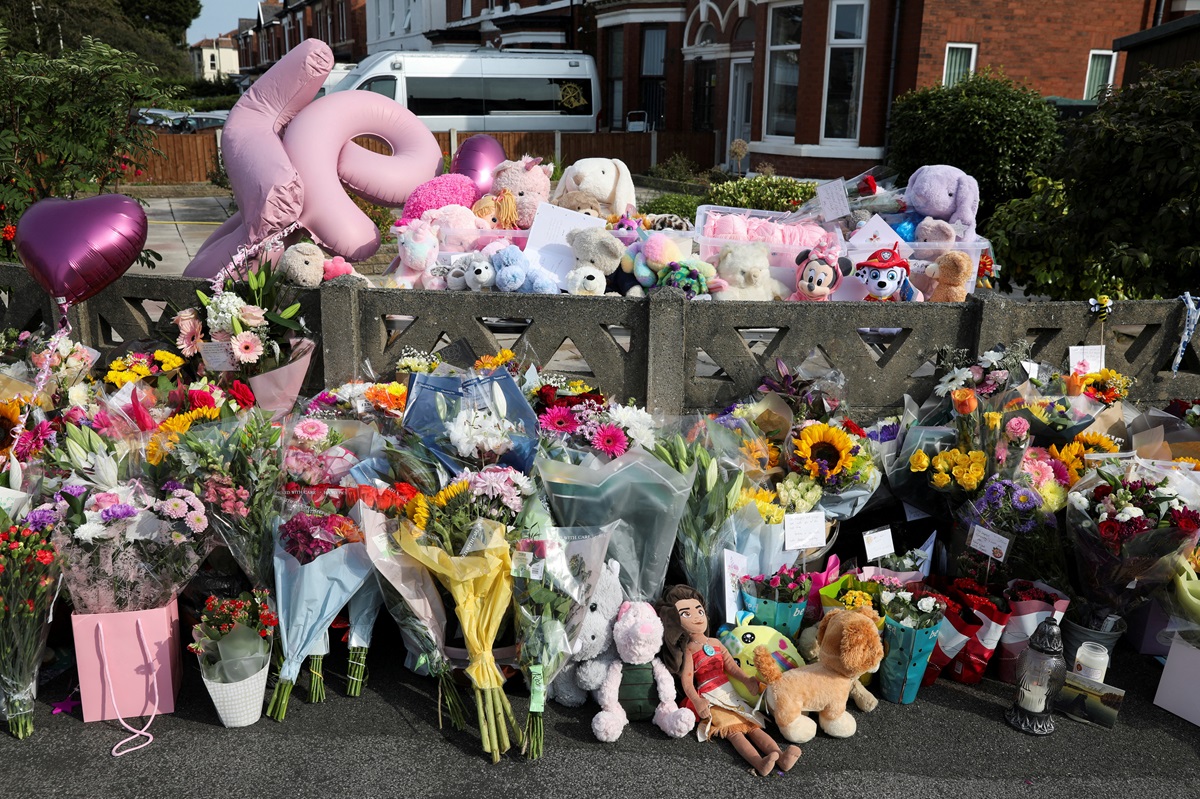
[
  {"x": 470, "y": 558},
  {"x": 836, "y": 457},
  {"x": 157, "y": 367},
  {"x": 325, "y": 453},
  {"x": 67, "y": 363},
  {"x": 970, "y": 634},
  {"x": 607, "y": 430},
  {"x": 233, "y": 643},
  {"x": 778, "y": 600},
  {"x": 474, "y": 421},
  {"x": 359, "y": 400},
  {"x": 416, "y": 362},
  {"x": 1053, "y": 419},
  {"x": 954, "y": 472},
  {"x": 234, "y": 467},
  {"x": 1128, "y": 526},
  {"x": 1048, "y": 476},
  {"x": 547, "y": 390},
  {"x": 990, "y": 375},
  {"x": 1107, "y": 386},
  {"x": 912, "y": 622},
  {"x": 850, "y": 591},
  {"x": 126, "y": 548},
  {"x": 319, "y": 564},
  {"x": 814, "y": 391},
  {"x": 909, "y": 568},
  {"x": 251, "y": 329},
  {"x": 30, "y": 571},
  {"x": 554, "y": 577},
  {"x": 1029, "y": 604},
  {"x": 1014, "y": 511}
]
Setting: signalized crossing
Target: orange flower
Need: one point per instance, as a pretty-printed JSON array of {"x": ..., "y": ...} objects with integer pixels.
[
  {"x": 1074, "y": 384},
  {"x": 965, "y": 401}
]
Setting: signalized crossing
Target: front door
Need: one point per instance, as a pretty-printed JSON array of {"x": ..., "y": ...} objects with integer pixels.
[{"x": 741, "y": 105}]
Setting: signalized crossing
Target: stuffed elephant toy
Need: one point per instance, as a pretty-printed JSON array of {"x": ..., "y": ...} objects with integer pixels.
[{"x": 947, "y": 193}]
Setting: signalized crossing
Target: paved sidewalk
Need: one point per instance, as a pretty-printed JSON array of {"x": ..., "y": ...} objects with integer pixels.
[{"x": 178, "y": 226}]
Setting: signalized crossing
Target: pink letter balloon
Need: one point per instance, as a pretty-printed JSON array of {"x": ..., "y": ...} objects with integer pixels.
[
  {"x": 75, "y": 248},
  {"x": 291, "y": 157},
  {"x": 477, "y": 158}
]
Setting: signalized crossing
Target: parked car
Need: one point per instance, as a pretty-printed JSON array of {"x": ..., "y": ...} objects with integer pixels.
[
  {"x": 198, "y": 121},
  {"x": 158, "y": 117}
]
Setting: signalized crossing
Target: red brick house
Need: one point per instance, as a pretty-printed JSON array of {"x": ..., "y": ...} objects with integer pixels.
[
  {"x": 280, "y": 26},
  {"x": 809, "y": 84}
]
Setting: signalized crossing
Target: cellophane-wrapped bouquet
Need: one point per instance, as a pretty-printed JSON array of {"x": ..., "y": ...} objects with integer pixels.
[
  {"x": 1128, "y": 525},
  {"x": 320, "y": 563},
  {"x": 234, "y": 637},
  {"x": 835, "y": 456},
  {"x": 554, "y": 576},
  {"x": 30, "y": 574}
]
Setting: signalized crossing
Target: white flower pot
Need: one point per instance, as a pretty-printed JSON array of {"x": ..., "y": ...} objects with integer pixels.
[{"x": 239, "y": 704}]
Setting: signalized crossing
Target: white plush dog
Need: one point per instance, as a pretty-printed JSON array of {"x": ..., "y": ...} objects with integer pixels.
[{"x": 606, "y": 179}]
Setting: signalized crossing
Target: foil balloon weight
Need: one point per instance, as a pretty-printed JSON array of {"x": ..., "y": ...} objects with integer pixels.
[
  {"x": 477, "y": 158},
  {"x": 76, "y": 248}
]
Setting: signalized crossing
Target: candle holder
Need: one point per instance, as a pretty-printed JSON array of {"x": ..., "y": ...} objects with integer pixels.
[{"x": 1041, "y": 674}]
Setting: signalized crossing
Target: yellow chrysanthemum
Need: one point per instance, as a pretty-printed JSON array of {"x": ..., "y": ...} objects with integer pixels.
[
  {"x": 856, "y": 599},
  {"x": 919, "y": 461},
  {"x": 1096, "y": 442},
  {"x": 120, "y": 378},
  {"x": 417, "y": 511},
  {"x": 1194, "y": 461},
  {"x": 169, "y": 361},
  {"x": 140, "y": 369},
  {"x": 443, "y": 497},
  {"x": 941, "y": 480},
  {"x": 179, "y": 423},
  {"x": 823, "y": 447},
  {"x": 118, "y": 365}
]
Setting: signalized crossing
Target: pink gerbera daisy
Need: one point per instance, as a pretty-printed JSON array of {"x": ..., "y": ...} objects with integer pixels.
[
  {"x": 191, "y": 336},
  {"x": 247, "y": 347},
  {"x": 559, "y": 420},
  {"x": 311, "y": 430},
  {"x": 611, "y": 440}
]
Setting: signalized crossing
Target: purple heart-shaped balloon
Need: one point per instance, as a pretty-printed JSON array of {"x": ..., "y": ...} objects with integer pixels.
[{"x": 75, "y": 248}]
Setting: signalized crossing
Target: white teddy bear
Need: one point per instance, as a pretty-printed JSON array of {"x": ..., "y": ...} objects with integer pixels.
[
  {"x": 746, "y": 269},
  {"x": 586, "y": 280}
]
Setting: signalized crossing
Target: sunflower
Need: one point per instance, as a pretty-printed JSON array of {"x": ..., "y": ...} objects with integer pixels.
[
  {"x": 1096, "y": 442},
  {"x": 159, "y": 447},
  {"x": 10, "y": 419},
  {"x": 1071, "y": 456},
  {"x": 417, "y": 511},
  {"x": 824, "y": 451},
  {"x": 444, "y": 497}
]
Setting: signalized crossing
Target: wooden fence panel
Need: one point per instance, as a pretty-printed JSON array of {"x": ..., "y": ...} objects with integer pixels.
[{"x": 186, "y": 158}]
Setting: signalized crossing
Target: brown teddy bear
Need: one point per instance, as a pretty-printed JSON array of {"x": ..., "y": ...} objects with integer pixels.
[
  {"x": 579, "y": 201},
  {"x": 951, "y": 271},
  {"x": 850, "y": 647}
]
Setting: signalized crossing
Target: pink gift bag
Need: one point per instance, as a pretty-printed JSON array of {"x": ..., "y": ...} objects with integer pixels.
[{"x": 129, "y": 663}]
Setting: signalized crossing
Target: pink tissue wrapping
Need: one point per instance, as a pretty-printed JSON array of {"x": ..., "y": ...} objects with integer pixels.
[
  {"x": 133, "y": 691},
  {"x": 277, "y": 389},
  {"x": 743, "y": 227}
]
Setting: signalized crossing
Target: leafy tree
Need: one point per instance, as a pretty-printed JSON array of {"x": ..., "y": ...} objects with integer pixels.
[
  {"x": 67, "y": 123},
  {"x": 54, "y": 26},
  {"x": 1116, "y": 212},
  {"x": 986, "y": 125},
  {"x": 171, "y": 17}
]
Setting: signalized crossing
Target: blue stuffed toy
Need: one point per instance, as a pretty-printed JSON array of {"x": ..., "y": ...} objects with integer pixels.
[{"x": 514, "y": 273}]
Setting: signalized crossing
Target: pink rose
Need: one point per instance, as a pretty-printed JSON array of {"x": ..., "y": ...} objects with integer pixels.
[
  {"x": 976, "y": 373},
  {"x": 186, "y": 315},
  {"x": 252, "y": 316},
  {"x": 105, "y": 500},
  {"x": 774, "y": 581},
  {"x": 1017, "y": 427}
]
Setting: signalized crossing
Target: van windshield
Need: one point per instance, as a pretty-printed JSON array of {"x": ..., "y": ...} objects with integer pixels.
[{"x": 464, "y": 96}]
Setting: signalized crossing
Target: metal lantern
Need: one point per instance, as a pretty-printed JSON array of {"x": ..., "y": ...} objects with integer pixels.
[{"x": 1041, "y": 674}]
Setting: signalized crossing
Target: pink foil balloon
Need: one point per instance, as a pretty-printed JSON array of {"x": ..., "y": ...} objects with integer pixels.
[
  {"x": 477, "y": 158},
  {"x": 76, "y": 248}
]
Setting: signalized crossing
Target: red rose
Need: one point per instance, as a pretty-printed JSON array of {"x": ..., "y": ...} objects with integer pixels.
[
  {"x": 242, "y": 394},
  {"x": 1110, "y": 529},
  {"x": 547, "y": 396},
  {"x": 201, "y": 399},
  {"x": 1101, "y": 492}
]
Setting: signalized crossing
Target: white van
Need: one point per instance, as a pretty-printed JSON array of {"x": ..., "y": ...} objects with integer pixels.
[{"x": 486, "y": 90}]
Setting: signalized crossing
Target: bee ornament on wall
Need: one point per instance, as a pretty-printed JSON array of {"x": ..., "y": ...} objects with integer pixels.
[{"x": 1101, "y": 305}]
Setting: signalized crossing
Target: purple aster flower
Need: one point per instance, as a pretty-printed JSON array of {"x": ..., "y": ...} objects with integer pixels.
[
  {"x": 1024, "y": 499},
  {"x": 172, "y": 485}
]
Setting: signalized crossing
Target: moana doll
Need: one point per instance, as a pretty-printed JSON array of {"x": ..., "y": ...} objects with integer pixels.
[{"x": 705, "y": 668}]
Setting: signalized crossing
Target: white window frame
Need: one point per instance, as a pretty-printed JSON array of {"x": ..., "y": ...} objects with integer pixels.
[
  {"x": 466, "y": 9},
  {"x": 859, "y": 43},
  {"x": 342, "y": 22},
  {"x": 770, "y": 48},
  {"x": 287, "y": 33},
  {"x": 974, "y": 48},
  {"x": 1112, "y": 70}
]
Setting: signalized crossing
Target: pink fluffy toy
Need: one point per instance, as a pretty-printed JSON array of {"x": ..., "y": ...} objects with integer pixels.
[
  {"x": 529, "y": 181},
  {"x": 448, "y": 189}
]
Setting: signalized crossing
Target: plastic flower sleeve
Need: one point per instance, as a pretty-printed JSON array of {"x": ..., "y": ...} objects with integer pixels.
[
  {"x": 309, "y": 598},
  {"x": 1158, "y": 435},
  {"x": 907, "y": 658},
  {"x": 638, "y": 488},
  {"x": 238, "y": 655},
  {"x": 554, "y": 577}
]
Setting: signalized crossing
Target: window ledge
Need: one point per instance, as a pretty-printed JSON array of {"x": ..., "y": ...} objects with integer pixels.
[{"x": 783, "y": 147}]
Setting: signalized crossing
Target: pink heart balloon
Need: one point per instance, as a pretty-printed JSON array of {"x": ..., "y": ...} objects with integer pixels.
[
  {"x": 477, "y": 158},
  {"x": 75, "y": 248}
]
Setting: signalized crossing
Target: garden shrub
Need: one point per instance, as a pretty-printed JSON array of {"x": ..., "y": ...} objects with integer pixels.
[{"x": 764, "y": 192}]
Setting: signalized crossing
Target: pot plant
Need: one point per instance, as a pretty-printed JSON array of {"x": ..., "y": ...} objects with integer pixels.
[{"x": 233, "y": 642}]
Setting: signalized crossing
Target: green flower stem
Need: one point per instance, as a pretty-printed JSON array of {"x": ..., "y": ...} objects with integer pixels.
[
  {"x": 356, "y": 676},
  {"x": 316, "y": 685},
  {"x": 277, "y": 709}
]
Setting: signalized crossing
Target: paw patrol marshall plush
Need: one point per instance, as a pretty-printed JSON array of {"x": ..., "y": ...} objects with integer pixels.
[{"x": 885, "y": 275}]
